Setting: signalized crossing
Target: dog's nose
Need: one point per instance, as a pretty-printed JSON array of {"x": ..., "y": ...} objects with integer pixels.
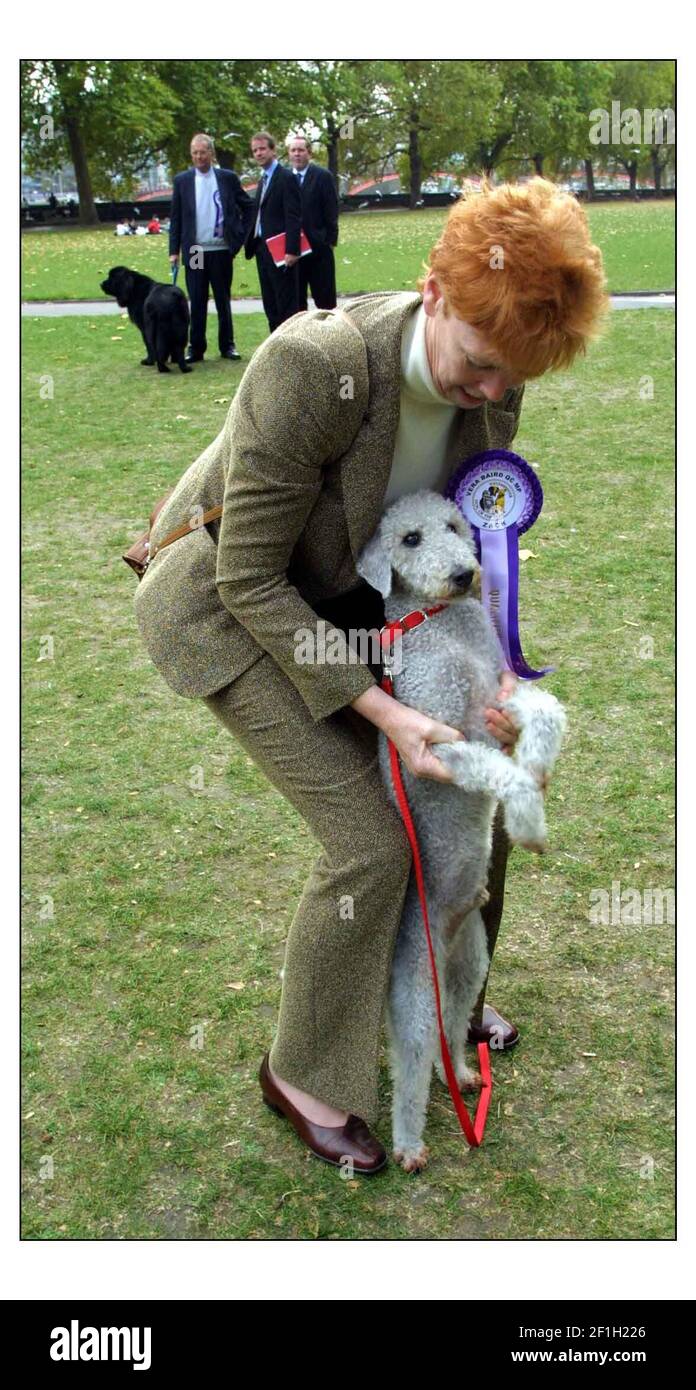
[{"x": 462, "y": 579}]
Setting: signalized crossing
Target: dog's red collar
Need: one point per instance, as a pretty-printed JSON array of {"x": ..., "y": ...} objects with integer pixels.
[
  {"x": 409, "y": 620},
  {"x": 389, "y": 631}
]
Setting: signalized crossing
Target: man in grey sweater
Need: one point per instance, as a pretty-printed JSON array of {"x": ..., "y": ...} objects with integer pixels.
[{"x": 209, "y": 221}]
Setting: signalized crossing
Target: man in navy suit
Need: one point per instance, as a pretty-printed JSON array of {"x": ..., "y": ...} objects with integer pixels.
[
  {"x": 277, "y": 208},
  {"x": 209, "y": 220},
  {"x": 319, "y": 222}
]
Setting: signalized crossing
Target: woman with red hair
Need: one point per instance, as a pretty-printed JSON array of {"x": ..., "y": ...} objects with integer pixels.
[
  {"x": 516, "y": 265},
  {"x": 338, "y": 413}
]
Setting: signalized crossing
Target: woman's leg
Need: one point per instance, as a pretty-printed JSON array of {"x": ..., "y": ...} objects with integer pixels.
[{"x": 342, "y": 937}]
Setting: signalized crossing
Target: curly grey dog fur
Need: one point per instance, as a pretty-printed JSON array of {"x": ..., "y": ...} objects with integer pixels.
[{"x": 422, "y": 554}]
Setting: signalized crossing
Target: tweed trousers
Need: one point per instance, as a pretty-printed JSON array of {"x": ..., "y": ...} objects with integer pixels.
[{"x": 342, "y": 936}]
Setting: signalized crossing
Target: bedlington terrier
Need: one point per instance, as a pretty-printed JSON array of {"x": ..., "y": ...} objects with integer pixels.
[{"x": 423, "y": 554}]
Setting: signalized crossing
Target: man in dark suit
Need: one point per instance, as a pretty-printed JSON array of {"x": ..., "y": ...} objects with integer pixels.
[
  {"x": 278, "y": 208},
  {"x": 319, "y": 222},
  {"x": 210, "y": 218}
]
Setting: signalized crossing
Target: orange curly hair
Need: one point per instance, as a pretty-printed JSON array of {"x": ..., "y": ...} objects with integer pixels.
[{"x": 517, "y": 263}]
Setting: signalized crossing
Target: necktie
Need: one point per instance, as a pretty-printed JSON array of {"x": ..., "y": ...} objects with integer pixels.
[{"x": 264, "y": 187}]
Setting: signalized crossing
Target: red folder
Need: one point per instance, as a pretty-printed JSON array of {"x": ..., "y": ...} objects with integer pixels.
[{"x": 276, "y": 246}]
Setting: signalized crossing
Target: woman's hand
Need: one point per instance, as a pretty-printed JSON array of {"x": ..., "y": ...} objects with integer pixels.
[
  {"x": 501, "y": 725},
  {"x": 411, "y": 732}
]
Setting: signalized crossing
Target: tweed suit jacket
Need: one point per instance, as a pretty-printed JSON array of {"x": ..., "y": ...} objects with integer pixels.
[{"x": 301, "y": 466}]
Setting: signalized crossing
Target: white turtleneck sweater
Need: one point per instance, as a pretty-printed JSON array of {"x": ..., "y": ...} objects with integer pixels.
[{"x": 425, "y": 419}]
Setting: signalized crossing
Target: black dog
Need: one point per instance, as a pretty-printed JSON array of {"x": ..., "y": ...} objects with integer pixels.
[{"x": 161, "y": 313}]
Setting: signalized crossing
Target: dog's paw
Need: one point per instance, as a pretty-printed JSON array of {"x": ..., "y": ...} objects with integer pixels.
[
  {"x": 412, "y": 1158},
  {"x": 524, "y": 817},
  {"x": 467, "y": 1080},
  {"x": 480, "y": 898},
  {"x": 147, "y": 361}
]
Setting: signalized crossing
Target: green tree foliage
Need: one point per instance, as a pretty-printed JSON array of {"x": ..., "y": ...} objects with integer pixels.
[
  {"x": 108, "y": 118},
  {"x": 339, "y": 105},
  {"x": 639, "y": 86},
  {"x": 414, "y": 115},
  {"x": 435, "y": 105}
]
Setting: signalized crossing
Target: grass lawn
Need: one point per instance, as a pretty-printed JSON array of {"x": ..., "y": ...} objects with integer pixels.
[
  {"x": 375, "y": 250},
  {"x": 156, "y": 907}
]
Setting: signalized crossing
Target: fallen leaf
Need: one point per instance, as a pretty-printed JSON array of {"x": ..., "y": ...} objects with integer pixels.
[{"x": 528, "y": 555}]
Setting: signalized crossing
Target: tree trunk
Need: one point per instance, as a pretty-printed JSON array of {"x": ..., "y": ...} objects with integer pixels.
[
  {"x": 657, "y": 170},
  {"x": 333, "y": 133},
  {"x": 632, "y": 172},
  {"x": 88, "y": 211},
  {"x": 415, "y": 161},
  {"x": 488, "y": 158},
  {"x": 538, "y": 161},
  {"x": 589, "y": 178}
]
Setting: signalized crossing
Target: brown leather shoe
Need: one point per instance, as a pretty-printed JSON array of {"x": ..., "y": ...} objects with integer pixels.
[
  {"x": 496, "y": 1031},
  {"x": 351, "y": 1141}
]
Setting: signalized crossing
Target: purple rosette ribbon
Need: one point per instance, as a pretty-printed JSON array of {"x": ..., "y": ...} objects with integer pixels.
[
  {"x": 500, "y": 495},
  {"x": 219, "y": 219}
]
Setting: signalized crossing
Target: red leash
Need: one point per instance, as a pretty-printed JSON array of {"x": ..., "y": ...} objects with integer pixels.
[{"x": 473, "y": 1132}]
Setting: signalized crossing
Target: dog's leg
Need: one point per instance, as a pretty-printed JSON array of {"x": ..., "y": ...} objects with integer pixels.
[
  {"x": 477, "y": 768},
  {"x": 148, "y": 361},
  {"x": 180, "y": 361},
  {"x": 412, "y": 1028},
  {"x": 162, "y": 352},
  {"x": 465, "y": 972},
  {"x": 542, "y": 721}
]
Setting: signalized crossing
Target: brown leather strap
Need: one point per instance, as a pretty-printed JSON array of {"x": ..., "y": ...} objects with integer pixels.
[{"x": 211, "y": 515}]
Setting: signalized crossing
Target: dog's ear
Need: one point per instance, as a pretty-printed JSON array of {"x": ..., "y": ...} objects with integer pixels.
[
  {"x": 125, "y": 284},
  {"x": 374, "y": 565}
]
